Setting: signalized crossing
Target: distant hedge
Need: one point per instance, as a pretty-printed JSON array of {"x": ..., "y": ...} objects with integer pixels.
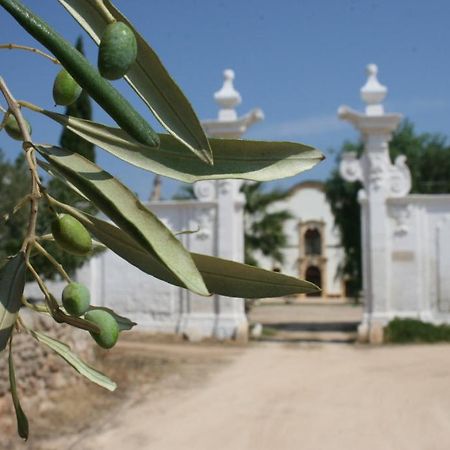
[{"x": 413, "y": 330}]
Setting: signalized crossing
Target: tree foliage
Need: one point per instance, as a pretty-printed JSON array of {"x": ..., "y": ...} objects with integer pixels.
[
  {"x": 428, "y": 158},
  {"x": 264, "y": 228}
]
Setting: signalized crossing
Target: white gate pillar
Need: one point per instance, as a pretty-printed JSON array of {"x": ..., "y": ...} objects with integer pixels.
[
  {"x": 380, "y": 179},
  {"x": 230, "y": 203}
]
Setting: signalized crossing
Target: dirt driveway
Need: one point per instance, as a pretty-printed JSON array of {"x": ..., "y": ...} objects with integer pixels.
[
  {"x": 299, "y": 396},
  {"x": 303, "y": 388}
]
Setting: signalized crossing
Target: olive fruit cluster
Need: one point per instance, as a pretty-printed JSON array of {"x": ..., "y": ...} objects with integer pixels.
[
  {"x": 71, "y": 235},
  {"x": 117, "y": 52},
  {"x": 76, "y": 301}
]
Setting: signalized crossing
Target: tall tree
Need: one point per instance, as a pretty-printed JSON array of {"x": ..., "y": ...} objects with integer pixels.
[
  {"x": 81, "y": 108},
  {"x": 264, "y": 229},
  {"x": 428, "y": 157},
  {"x": 14, "y": 185}
]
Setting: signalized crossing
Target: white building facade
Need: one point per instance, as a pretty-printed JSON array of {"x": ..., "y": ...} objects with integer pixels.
[{"x": 313, "y": 251}]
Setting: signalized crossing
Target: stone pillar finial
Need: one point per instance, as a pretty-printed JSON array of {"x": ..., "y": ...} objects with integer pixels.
[
  {"x": 373, "y": 92},
  {"x": 227, "y": 97}
]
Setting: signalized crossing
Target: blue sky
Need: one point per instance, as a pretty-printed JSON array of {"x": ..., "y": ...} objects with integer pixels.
[{"x": 297, "y": 60}]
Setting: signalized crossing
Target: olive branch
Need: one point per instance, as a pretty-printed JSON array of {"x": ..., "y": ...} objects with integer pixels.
[{"x": 134, "y": 233}]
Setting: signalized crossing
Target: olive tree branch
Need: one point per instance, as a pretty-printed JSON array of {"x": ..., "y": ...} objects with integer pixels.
[
  {"x": 30, "y": 156},
  {"x": 29, "y": 49}
]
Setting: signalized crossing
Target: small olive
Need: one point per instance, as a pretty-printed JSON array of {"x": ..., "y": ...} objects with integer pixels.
[
  {"x": 65, "y": 89},
  {"x": 71, "y": 235},
  {"x": 13, "y": 129},
  {"x": 76, "y": 299},
  {"x": 109, "y": 330},
  {"x": 117, "y": 51}
]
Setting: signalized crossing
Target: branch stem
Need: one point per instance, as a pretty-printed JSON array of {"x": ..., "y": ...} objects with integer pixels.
[
  {"x": 55, "y": 263},
  {"x": 29, "y": 49},
  {"x": 104, "y": 11}
]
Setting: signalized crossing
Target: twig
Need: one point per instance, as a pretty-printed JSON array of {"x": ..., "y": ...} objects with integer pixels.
[
  {"x": 31, "y": 161},
  {"x": 40, "y": 283},
  {"x": 104, "y": 11},
  {"x": 55, "y": 263},
  {"x": 16, "y": 208},
  {"x": 37, "y": 308},
  {"x": 29, "y": 49},
  {"x": 30, "y": 106}
]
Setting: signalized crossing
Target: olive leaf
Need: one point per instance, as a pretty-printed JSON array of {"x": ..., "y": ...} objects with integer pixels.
[
  {"x": 124, "y": 323},
  {"x": 233, "y": 158},
  {"x": 22, "y": 421},
  {"x": 122, "y": 206},
  {"x": 221, "y": 276},
  {"x": 75, "y": 361},
  {"x": 12, "y": 283},
  {"x": 149, "y": 79}
]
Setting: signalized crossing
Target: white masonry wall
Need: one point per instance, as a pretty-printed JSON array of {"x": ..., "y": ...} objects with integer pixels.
[{"x": 418, "y": 259}]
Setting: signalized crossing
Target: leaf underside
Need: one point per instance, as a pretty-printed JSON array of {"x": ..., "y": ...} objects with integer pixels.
[
  {"x": 233, "y": 158},
  {"x": 78, "y": 364}
]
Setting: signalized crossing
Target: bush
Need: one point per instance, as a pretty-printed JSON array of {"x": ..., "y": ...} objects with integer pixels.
[{"x": 412, "y": 330}]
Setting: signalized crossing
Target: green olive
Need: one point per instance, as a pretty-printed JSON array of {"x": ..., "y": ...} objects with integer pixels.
[
  {"x": 71, "y": 235},
  {"x": 65, "y": 89},
  {"x": 117, "y": 51},
  {"x": 76, "y": 299},
  {"x": 109, "y": 330},
  {"x": 13, "y": 129}
]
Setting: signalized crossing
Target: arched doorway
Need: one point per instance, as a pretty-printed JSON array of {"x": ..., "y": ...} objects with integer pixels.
[
  {"x": 313, "y": 242},
  {"x": 314, "y": 275}
]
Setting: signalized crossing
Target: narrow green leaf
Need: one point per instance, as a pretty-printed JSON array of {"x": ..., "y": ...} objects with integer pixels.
[
  {"x": 22, "y": 421},
  {"x": 12, "y": 283},
  {"x": 233, "y": 158},
  {"x": 74, "y": 360},
  {"x": 124, "y": 323},
  {"x": 122, "y": 206},
  {"x": 149, "y": 78},
  {"x": 221, "y": 276}
]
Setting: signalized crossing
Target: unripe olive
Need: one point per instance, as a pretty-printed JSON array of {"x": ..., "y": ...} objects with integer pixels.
[
  {"x": 71, "y": 235},
  {"x": 65, "y": 89},
  {"x": 13, "y": 129},
  {"x": 109, "y": 330},
  {"x": 76, "y": 299},
  {"x": 117, "y": 51}
]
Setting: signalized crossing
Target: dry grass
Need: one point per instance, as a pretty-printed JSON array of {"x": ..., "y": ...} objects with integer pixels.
[{"x": 141, "y": 365}]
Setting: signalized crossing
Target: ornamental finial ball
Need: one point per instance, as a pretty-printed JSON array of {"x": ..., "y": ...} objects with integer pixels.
[
  {"x": 228, "y": 74},
  {"x": 371, "y": 70}
]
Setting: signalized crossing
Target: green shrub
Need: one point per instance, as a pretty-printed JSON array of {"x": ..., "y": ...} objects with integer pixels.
[{"x": 412, "y": 330}]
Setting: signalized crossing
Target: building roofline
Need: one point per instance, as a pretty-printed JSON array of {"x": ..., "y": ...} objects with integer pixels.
[{"x": 308, "y": 184}]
